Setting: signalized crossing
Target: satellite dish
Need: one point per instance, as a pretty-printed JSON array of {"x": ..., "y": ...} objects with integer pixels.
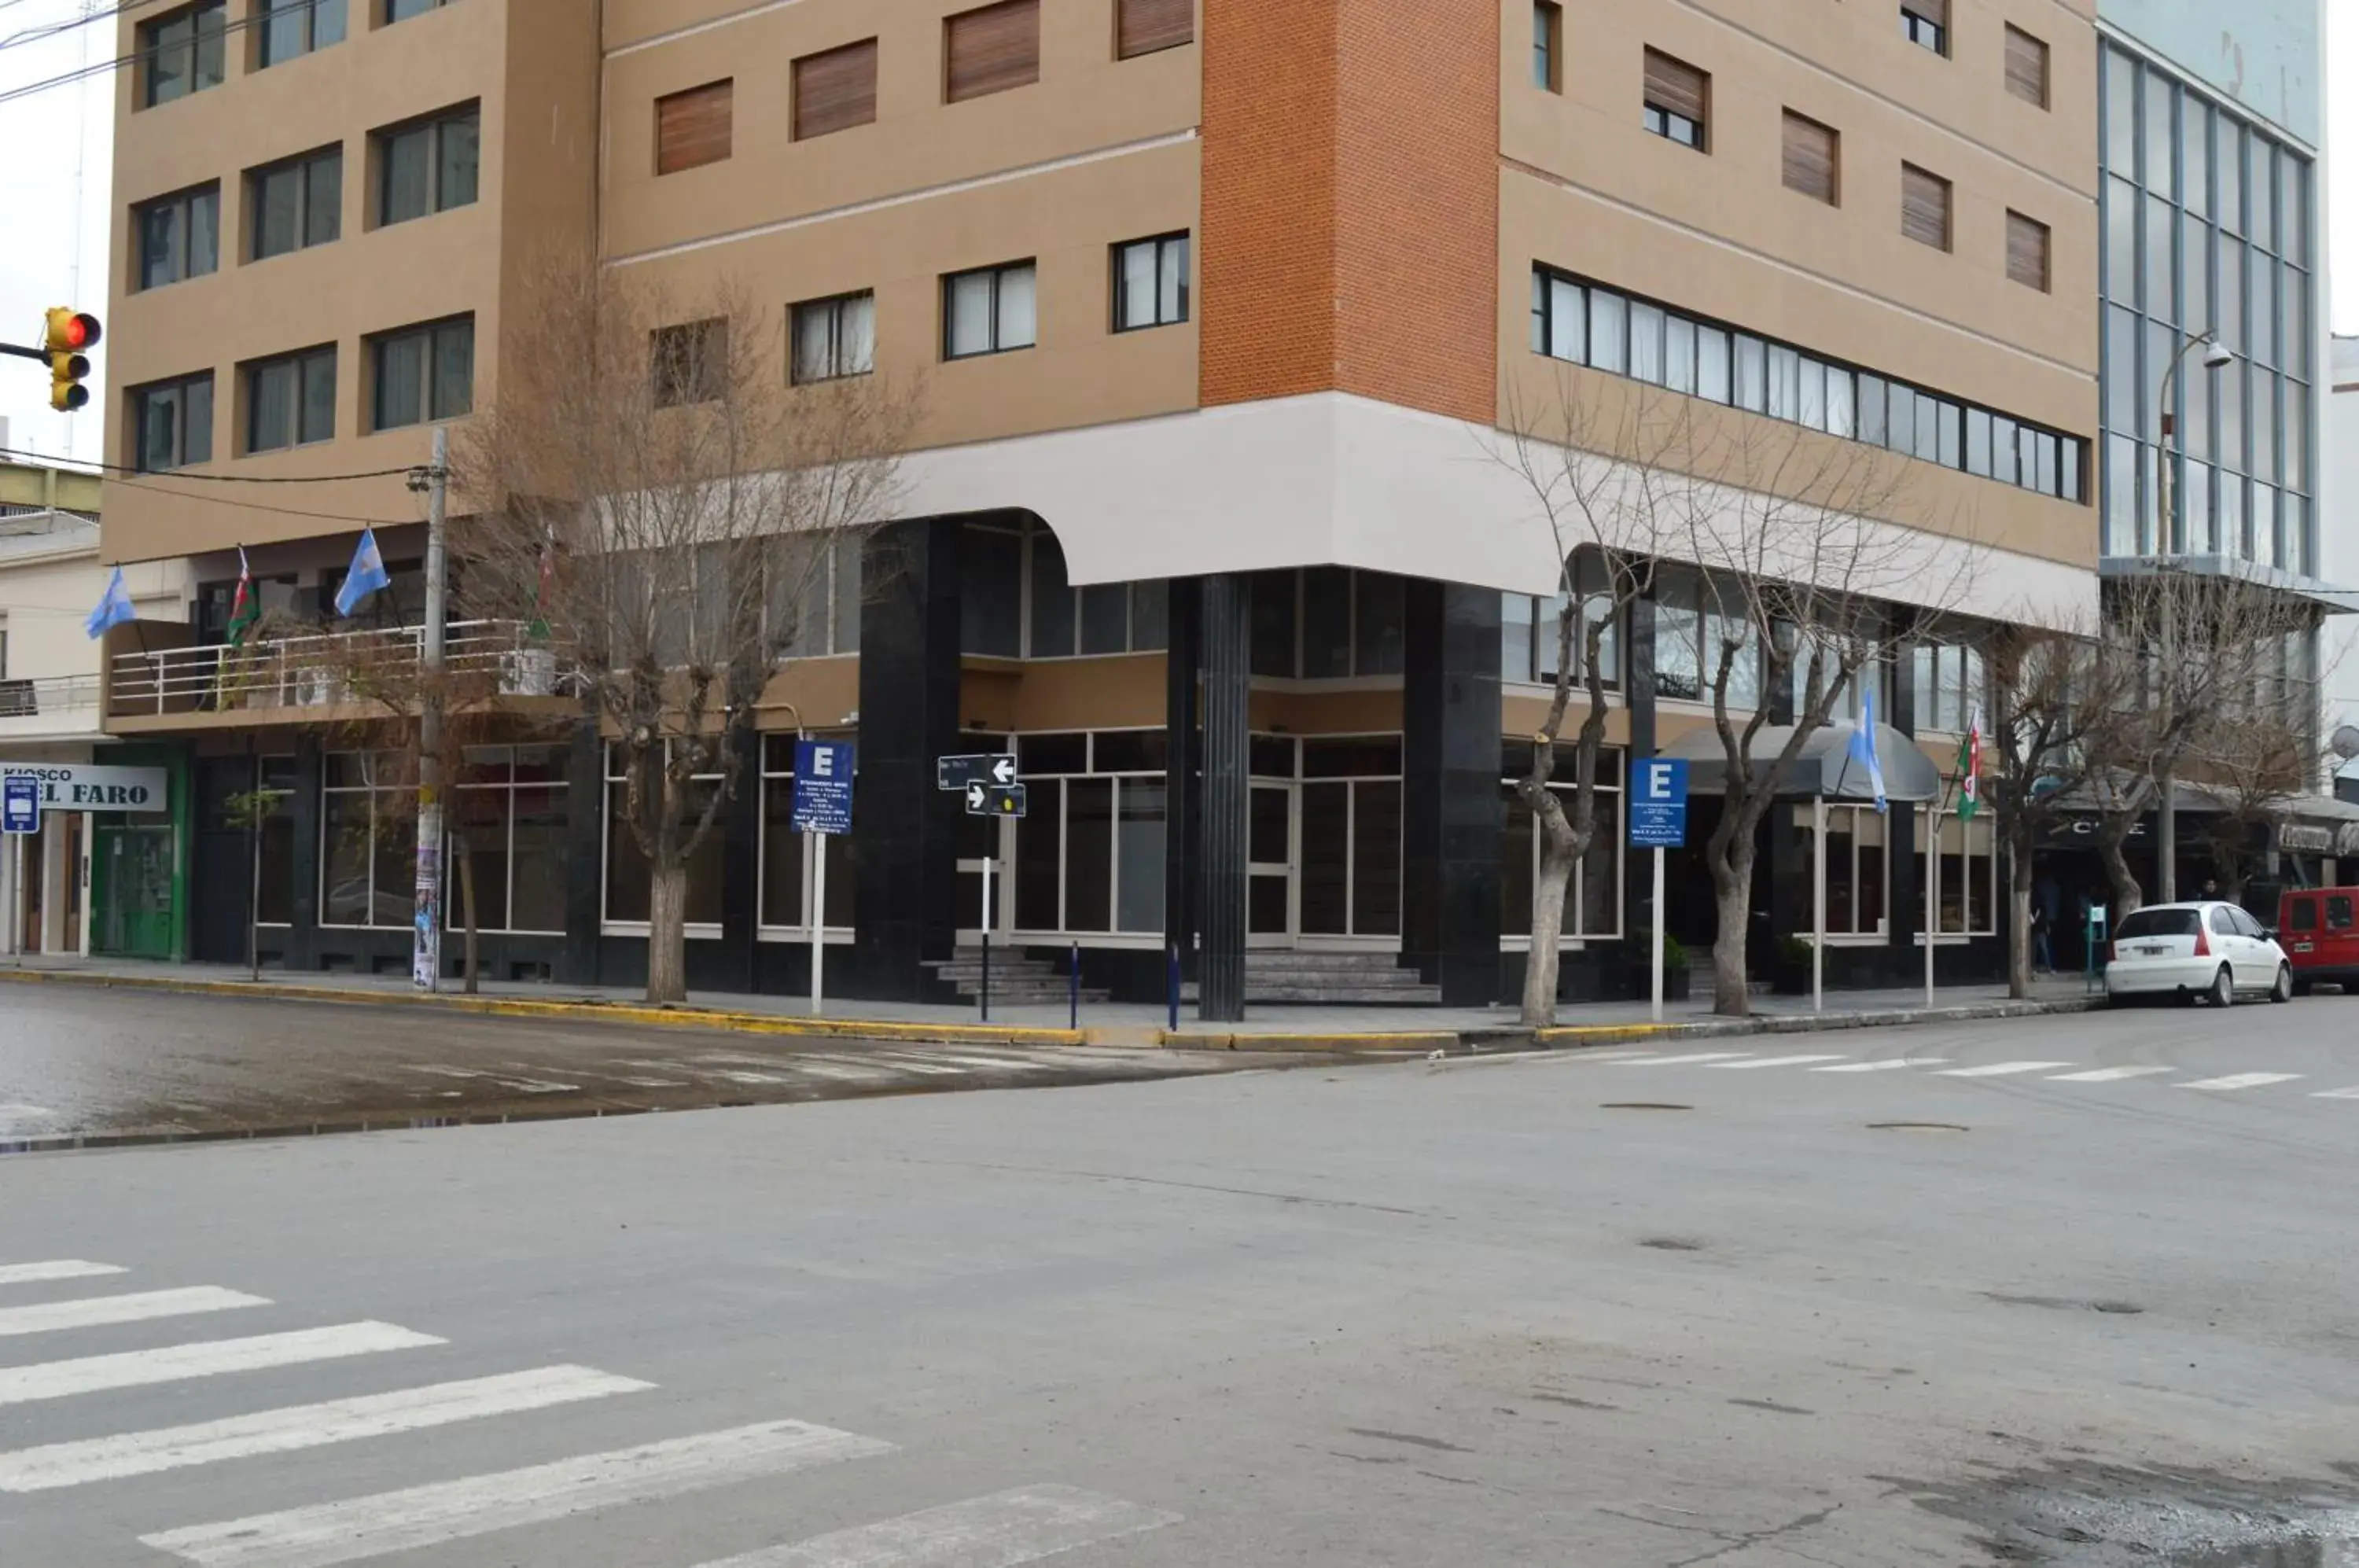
[{"x": 2346, "y": 742}]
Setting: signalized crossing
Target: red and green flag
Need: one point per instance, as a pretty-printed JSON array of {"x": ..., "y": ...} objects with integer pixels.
[
  {"x": 1970, "y": 768},
  {"x": 244, "y": 610}
]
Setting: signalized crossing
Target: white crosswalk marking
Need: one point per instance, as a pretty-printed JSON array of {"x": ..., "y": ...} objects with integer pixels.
[
  {"x": 303, "y": 1426},
  {"x": 21, "y": 1112},
  {"x": 914, "y": 1065},
  {"x": 1775, "y": 1062},
  {"x": 2109, "y": 1074},
  {"x": 2000, "y": 1069},
  {"x": 1894, "y": 1065},
  {"x": 137, "y": 1368},
  {"x": 842, "y": 1072},
  {"x": 2350, "y": 1094},
  {"x": 1691, "y": 1056},
  {"x": 2241, "y": 1081},
  {"x": 406, "y": 1520},
  {"x": 1593, "y": 1056},
  {"x": 1003, "y": 1530},
  {"x": 93, "y": 1311},
  {"x": 59, "y": 1269},
  {"x": 1004, "y": 1063}
]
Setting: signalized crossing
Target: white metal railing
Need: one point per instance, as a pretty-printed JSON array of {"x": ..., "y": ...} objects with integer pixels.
[
  {"x": 48, "y": 694},
  {"x": 320, "y": 670}
]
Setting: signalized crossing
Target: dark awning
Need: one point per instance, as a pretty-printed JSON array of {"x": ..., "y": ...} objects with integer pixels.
[{"x": 1824, "y": 768}]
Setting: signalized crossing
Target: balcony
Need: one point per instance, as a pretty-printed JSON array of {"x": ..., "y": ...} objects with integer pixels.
[
  {"x": 49, "y": 707},
  {"x": 291, "y": 679}
]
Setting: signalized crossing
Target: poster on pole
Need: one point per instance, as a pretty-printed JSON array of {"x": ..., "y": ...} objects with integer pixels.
[
  {"x": 1659, "y": 803},
  {"x": 823, "y": 770}
]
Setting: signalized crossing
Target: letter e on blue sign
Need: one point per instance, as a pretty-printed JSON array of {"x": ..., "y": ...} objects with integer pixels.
[
  {"x": 823, "y": 773},
  {"x": 1659, "y": 803}
]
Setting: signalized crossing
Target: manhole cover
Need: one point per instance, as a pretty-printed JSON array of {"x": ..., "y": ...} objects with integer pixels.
[
  {"x": 1642, "y": 1106},
  {"x": 1917, "y": 1127},
  {"x": 1671, "y": 1244}
]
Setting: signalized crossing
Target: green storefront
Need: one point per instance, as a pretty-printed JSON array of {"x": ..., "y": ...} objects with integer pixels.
[{"x": 139, "y": 866}]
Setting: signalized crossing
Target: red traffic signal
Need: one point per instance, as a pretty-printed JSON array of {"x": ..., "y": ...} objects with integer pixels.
[{"x": 68, "y": 331}]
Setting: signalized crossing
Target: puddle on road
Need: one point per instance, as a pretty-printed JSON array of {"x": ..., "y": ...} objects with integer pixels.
[
  {"x": 2082, "y": 1514},
  {"x": 2343, "y": 1553}
]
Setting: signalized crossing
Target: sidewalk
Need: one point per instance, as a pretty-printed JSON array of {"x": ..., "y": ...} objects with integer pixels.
[{"x": 1269, "y": 1027}]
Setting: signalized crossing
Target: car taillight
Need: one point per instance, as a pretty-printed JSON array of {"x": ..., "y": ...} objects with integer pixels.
[{"x": 2203, "y": 940}]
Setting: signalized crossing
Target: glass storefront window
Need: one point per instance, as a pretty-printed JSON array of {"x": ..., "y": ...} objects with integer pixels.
[{"x": 629, "y": 877}]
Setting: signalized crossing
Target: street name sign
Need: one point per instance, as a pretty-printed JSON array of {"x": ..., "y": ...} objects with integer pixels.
[
  {"x": 20, "y": 805},
  {"x": 978, "y": 767}
]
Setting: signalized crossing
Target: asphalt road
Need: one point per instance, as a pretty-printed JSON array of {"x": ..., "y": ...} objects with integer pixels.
[{"x": 1463, "y": 1313}]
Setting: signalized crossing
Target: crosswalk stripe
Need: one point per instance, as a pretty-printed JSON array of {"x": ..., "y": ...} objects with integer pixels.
[
  {"x": 2241, "y": 1081},
  {"x": 138, "y": 1368},
  {"x": 387, "y": 1522},
  {"x": 1999, "y": 1069},
  {"x": 1894, "y": 1065},
  {"x": 93, "y": 1310},
  {"x": 914, "y": 1065},
  {"x": 1775, "y": 1062},
  {"x": 25, "y": 1113},
  {"x": 1001, "y": 1531},
  {"x": 1004, "y": 1063},
  {"x": 2350, "y": 1094},
  {"x": 303, "y": 1426},
  {"x": 1691, "y": 1056},
  {"x": 1595, "y": 1056},
  {"x": 59, "y": 1269},
  {"x": 2109, "y": 1074}
]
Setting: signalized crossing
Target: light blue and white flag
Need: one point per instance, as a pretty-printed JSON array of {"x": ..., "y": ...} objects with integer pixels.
[
  {"x": 1863, "y": 746},
  {"x": 365, "y": 577},
  {"x": 114, "y": 608}
]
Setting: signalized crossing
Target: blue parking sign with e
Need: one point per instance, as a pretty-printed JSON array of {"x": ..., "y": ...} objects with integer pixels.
[
  {"x": 823, "y": 770},
  {"x": 1659, "y": 803},
  {"x": 20, "y": 804}
]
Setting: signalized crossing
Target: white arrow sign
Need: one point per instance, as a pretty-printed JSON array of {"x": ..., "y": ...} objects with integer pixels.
[
  {"x": 1003, "y": 769},
  {"x": 974, "y": 797}
]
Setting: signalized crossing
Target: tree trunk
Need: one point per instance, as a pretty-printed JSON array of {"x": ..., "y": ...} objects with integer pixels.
[
  {"x": 1548, "y": 929},
  {"x": 1732, "y": 995},
  {"x": 667, "y": 934},
  {"x": 467, "y": 902},
  {"x": 2127, "y": 896},
  {"x": 2018, "y": 942}
]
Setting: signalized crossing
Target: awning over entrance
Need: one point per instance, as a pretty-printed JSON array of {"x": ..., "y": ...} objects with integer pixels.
[{"x": 1824, "y": 766}]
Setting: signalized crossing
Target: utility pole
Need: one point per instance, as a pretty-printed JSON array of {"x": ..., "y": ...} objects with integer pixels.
[{"x": 426, "y": 948}]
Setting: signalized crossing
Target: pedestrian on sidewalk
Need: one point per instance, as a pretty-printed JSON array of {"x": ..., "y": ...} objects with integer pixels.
[{"x": 2043, "y": 949}]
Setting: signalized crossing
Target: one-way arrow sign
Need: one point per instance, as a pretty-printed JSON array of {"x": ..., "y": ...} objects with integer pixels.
[
  {"x": 995, "y": 800},
  {"x": 988, "y": 768}
]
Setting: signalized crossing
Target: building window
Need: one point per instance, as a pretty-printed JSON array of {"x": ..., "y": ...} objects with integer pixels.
[
  {"x": 179, "y": 235},
  {"x": 1676, "y": 98},
  {"x": 296, "y": 203},
  {"x": 402, "y": 10},
  {"x": 428, "y": 166},
  {"x": 1969, "y": 890},
  {"x": 173, "y": 423},
  {"x": 1528, "y": 628},
  {"x": 2027, "y": 251},
  {"x": 508, "y": 815},
  {"x": 788, "y": 884},
  {"x": 1924, "y": 207},
  {"x": 1089, "y": 850},
  {"x": 1592, "y": 896},
  {"x": 2027, "y": 67},
  {"x": 694, "y": 127},
  {"x": 291, "y": 401},
  {"x": 834, "y": 338},
  {"x": 1950, "y": 685},
  {"x": 1347, "y": 834},
  {"x": 991, "y": 49},
  {"x": 1016, "y": 601},
  {"x": 690, "y": 363},
  {"x": 1150, "y": 283},
  {"x": 292, "y": 28},
  {"x": 811, "y": 597},
  {"x": 1926, "y": 23},
  {"x": 1608, "y": 330},
  {"x": 423, "y": 373},
  {"x": 833, "y": 92},
  {"x": 183, "y": 53},
  {"x": 629, "y": 880},
  {"x": 1548, "y": 46},
  {"x": 1813, "y": 158},
  {"x": 1859, "y": 870},
  {"x": 989, "y": 311},
  {"x": 369, "y": 841},
  {"x": 1145, "y": 27}
]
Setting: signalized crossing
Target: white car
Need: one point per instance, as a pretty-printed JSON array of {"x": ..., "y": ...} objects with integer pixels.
[{"x": 2209, "y": 949}]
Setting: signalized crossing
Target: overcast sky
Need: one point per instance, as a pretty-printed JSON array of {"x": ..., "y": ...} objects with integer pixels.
[{"x": 53, "y": 187}]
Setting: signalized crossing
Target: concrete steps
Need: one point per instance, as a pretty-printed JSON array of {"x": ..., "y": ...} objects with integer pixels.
[
  {"x": 1339, "y": 979},
  {"x": 1016, "y": 979}
]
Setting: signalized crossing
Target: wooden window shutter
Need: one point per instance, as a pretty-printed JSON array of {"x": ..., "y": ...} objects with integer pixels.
[
  {"x": 835, "y": 90},
  {"x": 1811, "y": 158},
  {"x": 1924, "y": 207},
  {"x": 993, "y": 50},
  {"x": 1934, "y": 11},
  {"x": 693, "y": 127},
  {"x": 2027, "y": 251},
  {"x": 1142, "y": 26},
  {"x": 2027, "y": 67},
  {"x": 1675, "y": 87}
]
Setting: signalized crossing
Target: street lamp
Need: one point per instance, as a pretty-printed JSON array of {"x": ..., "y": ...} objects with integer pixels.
[{"x": 2169, "y": 542}]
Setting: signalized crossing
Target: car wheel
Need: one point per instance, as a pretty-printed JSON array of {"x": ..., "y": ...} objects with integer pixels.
[
  {"x": 2223, "y": 989},
  {"x": 2283, "y": 990}
]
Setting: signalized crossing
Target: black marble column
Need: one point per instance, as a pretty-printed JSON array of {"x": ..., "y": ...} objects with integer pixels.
[
  {"x": 1452, "y": 810},
  {"x": 1183, "y": 772},
  {"x": 734, "y": 965},
  {"x": 1904, "y": 913},
  {"x": 303, "y": 928},
  {"x": 1227, "y": 648},
  {"x": 904, "y": 891},
  {"x": 1638, "y": 690}
]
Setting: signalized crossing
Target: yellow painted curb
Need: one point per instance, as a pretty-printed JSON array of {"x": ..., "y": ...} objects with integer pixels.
[
  {"x": 1575, "y": 1032},
  {"x": 609, "y": 1012},
  {"x": 1371, "y": 1040}
]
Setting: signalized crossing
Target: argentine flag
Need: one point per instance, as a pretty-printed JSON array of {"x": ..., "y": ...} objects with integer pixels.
[
  {"x": 1863, "y": 745},
  {"x": 114, "y": 608},
  {"x": 365, "y": 577}
]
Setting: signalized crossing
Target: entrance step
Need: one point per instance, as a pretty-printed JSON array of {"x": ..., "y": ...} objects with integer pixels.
[
  {"x": 1016, "y": 979},
  {"x": 1334, "y": 979}
]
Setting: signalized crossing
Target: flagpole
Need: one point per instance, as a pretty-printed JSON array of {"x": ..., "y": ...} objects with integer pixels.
[{"x": 1818, "y": 904}]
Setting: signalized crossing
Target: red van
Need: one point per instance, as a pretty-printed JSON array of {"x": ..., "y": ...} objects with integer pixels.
[{"x": 2319, "y": 928}]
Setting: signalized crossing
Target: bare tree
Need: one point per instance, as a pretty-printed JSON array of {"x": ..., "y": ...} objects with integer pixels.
[
  {"x": 2252, "y": 761},
  {"x": 653, "y": 487}
]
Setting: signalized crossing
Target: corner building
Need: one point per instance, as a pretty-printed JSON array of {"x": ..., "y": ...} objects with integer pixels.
[{"x": 1221, "y": 306}]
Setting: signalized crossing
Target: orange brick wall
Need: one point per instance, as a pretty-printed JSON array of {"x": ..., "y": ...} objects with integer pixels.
[{"x": 1349, "y": 239}]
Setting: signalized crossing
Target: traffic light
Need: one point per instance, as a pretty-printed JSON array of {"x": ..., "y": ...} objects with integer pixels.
[{"x": 70, "y": 332}]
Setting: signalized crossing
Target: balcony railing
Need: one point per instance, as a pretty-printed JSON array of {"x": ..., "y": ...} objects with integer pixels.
[
  {"x": 320, "y": 670},
  {"x": 49, "y": 696}
]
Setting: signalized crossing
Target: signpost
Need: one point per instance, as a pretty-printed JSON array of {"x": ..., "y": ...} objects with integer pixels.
[
  {"x": 988, "y": 780},
  {"x": 822, "y": 807},
  {"x": 1658, "y": 821},
  {"x": 986, "y": 768},
  {"x": 20, "y": 804}
]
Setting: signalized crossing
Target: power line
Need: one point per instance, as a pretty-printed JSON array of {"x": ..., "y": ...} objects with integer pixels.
[
  {"x": 67, "y": 78},
  {"x": 258, "y": 506},
  {"x": 51, "y": 29},
  {"x": 215, "y": 478}
]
